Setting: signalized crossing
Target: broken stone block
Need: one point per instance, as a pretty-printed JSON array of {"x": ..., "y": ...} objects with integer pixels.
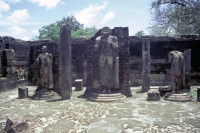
[
  {"x": 79, "y": 84},
  {"x": 22, "y": 92},
  {"x": 15, "y": 124},
  {"x": 164, "y": 89},
  {"x": 153, "y": 95}
]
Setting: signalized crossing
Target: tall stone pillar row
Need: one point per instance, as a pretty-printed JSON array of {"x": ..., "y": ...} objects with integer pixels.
[
  {"x": 145, "y": 64},
  {"x": 65, "y": 62}
]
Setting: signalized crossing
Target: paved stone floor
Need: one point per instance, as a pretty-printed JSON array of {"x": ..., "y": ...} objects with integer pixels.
[{"x": 131, "y": 115}]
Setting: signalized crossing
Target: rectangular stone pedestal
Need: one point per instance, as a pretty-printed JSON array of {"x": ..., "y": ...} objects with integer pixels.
[
  {"x": 22, "y": 92},
  {"x": 78, "y": 84},
  {"x": 198, "y": 94}
]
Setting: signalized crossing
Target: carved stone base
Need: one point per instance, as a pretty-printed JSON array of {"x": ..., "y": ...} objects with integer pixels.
[
  {"x": 178, "y": 97},
  {"x": 44, "y": 94},
  {"x": 106, "y": 97}
]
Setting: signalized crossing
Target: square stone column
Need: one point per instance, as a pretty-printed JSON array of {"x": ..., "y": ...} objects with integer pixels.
[
  {"x": 145, "y": 64},
  {"x": 65, "y": 62}
]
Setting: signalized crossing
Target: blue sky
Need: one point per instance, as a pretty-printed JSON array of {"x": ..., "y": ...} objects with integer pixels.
[{"x": 22, "y": 18}]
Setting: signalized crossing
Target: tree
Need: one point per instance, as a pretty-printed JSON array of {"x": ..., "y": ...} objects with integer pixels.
[
  {"x": 51, "y": 32},
  {"x": 140, "y": 33},
  {"x": 87, "y": 32},
  {"x": 175, "y": 17},
  {"x": 71, "y": 20}
]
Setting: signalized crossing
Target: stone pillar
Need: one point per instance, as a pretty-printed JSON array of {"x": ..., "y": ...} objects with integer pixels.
[
  {"x": 65, "y": 62},
  {"x": 187, "y": 57},
  {"x": 145, "y": 64}
]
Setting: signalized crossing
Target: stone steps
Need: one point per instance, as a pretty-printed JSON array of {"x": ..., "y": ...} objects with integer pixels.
[{"x": 106, "y": 97}]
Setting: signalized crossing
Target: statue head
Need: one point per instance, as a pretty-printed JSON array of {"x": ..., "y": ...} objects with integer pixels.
[
  {"x": 44, "y": 49},
  {"x": 105, "y": 31}
]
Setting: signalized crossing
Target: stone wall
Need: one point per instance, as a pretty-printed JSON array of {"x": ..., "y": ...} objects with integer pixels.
[
  {"x": 8, "y": 76},
  {"x": 160, "y": 47},
  {"x": 85, "y": 61}
]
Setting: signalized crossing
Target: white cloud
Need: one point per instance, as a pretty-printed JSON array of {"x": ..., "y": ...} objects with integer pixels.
[
  {"x": 87, "y": 15},
  {"x": 63, "y": 3},
  {"x": 25, "y": 38},
  {"x": 13, "y": 1},
  {"x": 19, "y": 16},
  {"x": 4, "y": 6},
  {"x": 49, "y": 4},
  {"x": 108, "y": 16},
  {"x": 16, "y": 30},
  {"x": 35, "y": 32}
]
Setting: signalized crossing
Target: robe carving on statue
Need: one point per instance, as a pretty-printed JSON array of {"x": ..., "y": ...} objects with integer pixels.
[
  {"x": 45, "y": 75},
  {"x": 177, "y": 70},
  {"x": 107, "y": 46}
]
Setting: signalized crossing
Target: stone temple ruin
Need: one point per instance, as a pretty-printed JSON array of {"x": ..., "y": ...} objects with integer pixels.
[
  {"x": 18, "y": 60},
  {"x": 138, "y": 61}
]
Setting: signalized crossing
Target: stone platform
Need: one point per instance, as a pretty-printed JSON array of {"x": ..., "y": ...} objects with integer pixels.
[
  {"x": 106, "y": 97},
  {"x": 178, "y": 97},
  {"x": 44, "y": 95}
]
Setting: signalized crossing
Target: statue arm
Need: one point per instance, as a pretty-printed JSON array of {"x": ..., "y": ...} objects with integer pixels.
[
  {"x": 97, "y": 44},
  {"x": 38, "y": 60},
  {"x": 114, "y": 42}
]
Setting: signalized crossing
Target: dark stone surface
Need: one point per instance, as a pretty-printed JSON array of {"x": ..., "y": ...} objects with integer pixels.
[
  {"x": 79, "y": 84},
  {"x": 198, "y": 94},
  {"x": 22, "y": 92},
  {"x": 65, "y": 62}
]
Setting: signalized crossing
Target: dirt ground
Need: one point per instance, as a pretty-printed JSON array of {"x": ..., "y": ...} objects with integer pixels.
[{"x": 134, "y": 114}]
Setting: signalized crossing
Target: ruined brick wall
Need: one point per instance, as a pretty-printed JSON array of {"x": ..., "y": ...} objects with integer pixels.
[
  {"x": 79, "y": 61},
  {"x": 160, "y": 47},
  {"x": 21, "y": 61},
  {"x": 93, "y": 72}
]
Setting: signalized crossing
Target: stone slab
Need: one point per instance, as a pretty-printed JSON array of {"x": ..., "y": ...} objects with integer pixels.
[{"x": 15, "y": 124}]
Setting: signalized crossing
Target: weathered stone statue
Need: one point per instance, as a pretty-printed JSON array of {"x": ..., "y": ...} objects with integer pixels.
[
  {"x": 107, "y": 46},
  {"x": 44, "y": 62},
  {"x": 177, "y": 70}
]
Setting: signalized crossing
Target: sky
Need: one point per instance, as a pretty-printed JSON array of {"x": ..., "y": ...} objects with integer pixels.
[{"x": 21, "y": 19}]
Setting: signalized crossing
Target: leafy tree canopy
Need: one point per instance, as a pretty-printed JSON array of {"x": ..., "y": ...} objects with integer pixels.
[
  {"x": 175, "y": 17},
  {"x": 140, "y": 33},
  {"x": 52, "y": 31}
]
